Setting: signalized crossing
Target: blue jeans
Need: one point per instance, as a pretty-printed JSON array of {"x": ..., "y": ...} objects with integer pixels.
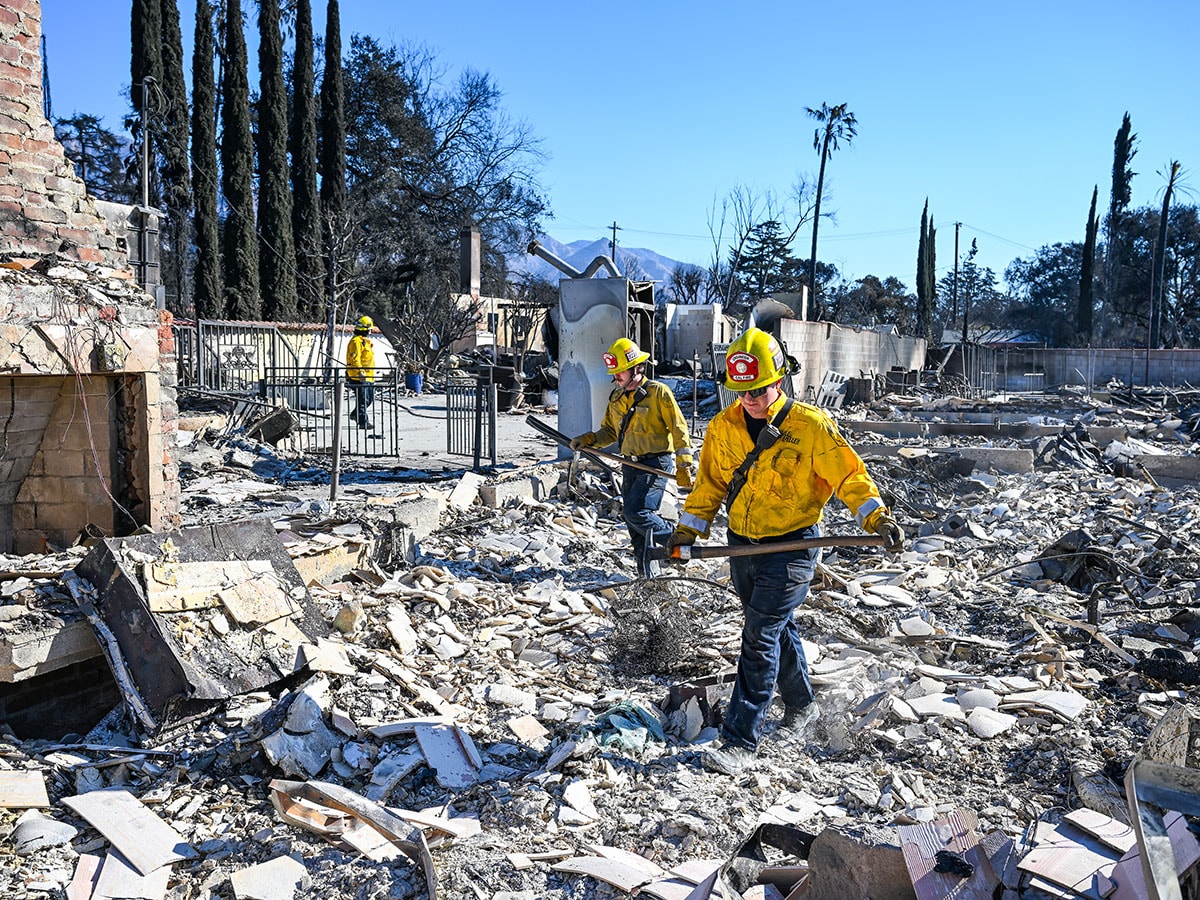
[
  {"x": 364, "y": 395},
  {"x": 771, "y": 587},
  {"x": 642, "y": 493}
]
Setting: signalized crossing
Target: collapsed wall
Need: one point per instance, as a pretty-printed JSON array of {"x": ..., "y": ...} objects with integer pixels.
[{"x": 822, "y": 347}]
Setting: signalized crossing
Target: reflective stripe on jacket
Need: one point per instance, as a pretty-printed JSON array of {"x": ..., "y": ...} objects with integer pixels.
[
  {"x": 789, "y": 485},
  {"x": 656, "y": 426},
  {"x": 360, "y": 359}
]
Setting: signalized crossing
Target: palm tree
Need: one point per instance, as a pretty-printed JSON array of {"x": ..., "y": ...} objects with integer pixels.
[
  {"x": 1158, "y": 261},
  {"x": 837, "y": 124}
]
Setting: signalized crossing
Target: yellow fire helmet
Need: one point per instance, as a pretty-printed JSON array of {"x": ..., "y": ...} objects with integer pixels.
[
  {"x": 623, "y": 355},
  {"x": 755, "y": 360},
  {"x": 364, "y": 325}
]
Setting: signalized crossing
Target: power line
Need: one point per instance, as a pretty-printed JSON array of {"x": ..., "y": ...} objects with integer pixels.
[{"x": 999, "y": 238}]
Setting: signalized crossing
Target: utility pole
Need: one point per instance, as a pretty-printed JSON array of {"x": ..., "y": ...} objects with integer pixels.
[
  {"x": 954, "y": 312},
  {"x": 1150, "y": 322},
  {"x": 613, "y": 254},
  {"x": 144, "y": 234}
]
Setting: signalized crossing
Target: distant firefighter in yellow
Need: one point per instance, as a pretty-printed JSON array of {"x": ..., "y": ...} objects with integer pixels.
[
  {"x": 360, "y": 370},
  {"x": 646, "y": 424}
]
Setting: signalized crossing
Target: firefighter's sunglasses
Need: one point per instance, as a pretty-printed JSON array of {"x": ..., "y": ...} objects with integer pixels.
[{"x": 757, "y": 392}]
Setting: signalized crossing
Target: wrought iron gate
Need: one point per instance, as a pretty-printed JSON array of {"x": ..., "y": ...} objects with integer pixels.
[
  {"x": 313, "y": 402},
  {"x": 471, "y": 417}
]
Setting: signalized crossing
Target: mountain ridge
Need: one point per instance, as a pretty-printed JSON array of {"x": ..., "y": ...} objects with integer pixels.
[{"x": 649, "y": 265}]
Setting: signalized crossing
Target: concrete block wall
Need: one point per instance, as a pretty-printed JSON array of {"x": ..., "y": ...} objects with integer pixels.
[
  {"x": 26, "y": 405},
  {"x": 1025, "y": 369},
  {"x": 822, "y": 347},
  {"x": 694, "y": 328},
  {"x": 70, "y": 482},
  {"x": 44, "y": 207}
]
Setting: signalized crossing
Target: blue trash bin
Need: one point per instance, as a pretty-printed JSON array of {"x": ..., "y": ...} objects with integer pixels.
[{"x": 414, "y": 381}]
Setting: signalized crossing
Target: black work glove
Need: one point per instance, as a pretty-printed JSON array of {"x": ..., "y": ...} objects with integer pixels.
[
  {"x": 891, "y": 532},
  {"x": 682, "y": 536},
  {"x": 588, "y": 439}
]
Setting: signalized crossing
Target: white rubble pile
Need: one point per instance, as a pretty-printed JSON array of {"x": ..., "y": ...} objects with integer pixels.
[{"x": 481, "y": 695}]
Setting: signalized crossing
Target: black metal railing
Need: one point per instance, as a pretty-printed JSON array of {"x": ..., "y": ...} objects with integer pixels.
[
  {"x": 229, "y": 356},
  {"x": 471, "y": 405},
  {"x": 322, "y": 406}
]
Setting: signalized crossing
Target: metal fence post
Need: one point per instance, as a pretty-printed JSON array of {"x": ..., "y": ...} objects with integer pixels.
[
  {"x": 478, "y": 421},
  {"x": 492, "y": 406},
  {"x": 695, "y": 387},
  {"x": 336, "y": 468}
]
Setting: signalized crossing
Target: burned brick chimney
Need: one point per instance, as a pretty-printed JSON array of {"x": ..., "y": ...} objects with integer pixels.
[
  {"x": 44, "y": 208},
  {"x": 87, "y": 366}
]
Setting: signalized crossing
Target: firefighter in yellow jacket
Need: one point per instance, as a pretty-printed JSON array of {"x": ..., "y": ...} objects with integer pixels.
[
  {"x": 360, "y": 370},
  {"x": 774, "y": 463},
  {"x": 646, "y": 424}
]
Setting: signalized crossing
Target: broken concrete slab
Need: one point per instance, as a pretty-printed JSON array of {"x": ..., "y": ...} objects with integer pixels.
[
  {"x": 144, "y": 839},
  {"x": 466, "y": 491},
  {"x": 179, "y": 660},
  {"x": 35, "y": 832},
  {"x": 119, "y": 879},
  {"x": 1164, "y": 467},
  {"x": 23, "y": 789},
  {"x": 1175, "y": 740},
  {"x": 866, "y": 861},
  {"x": 35, "y": 650},
  {"x": 999, "y": 459},
  {"x": 530, "y": 485},
  {"x": 276, "y": 879}
]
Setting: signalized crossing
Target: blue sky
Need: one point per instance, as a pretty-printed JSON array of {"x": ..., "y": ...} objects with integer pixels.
[{"x": 1002, "y": 114}]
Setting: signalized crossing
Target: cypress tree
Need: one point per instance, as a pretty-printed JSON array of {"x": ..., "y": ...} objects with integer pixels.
[
  {"x": 333, "y": 155},
  {"x": 306, "y": 215},
  {"x": 1122, "y": 179},
  {"x": 931, "y": 275},
  {"x": 1083, "y": 317},
  {"x": 924, "y": 312},
  {"x": 332, "y": 164},
  {"x": 172, "y": 138},
  {"x": 207, "y": 275},
  {"x": 277, "y": 250},
  {"x": 240, "y": 243},
  {"x": 145, "y": 27}
]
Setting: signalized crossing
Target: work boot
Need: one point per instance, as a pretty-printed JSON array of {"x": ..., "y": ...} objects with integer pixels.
[
  {"x": 729, "y": 759},
  {"x": 797, "y": 720}
]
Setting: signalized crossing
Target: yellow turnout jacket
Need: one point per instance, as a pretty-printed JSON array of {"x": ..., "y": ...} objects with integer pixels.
[
  {"x": 656, "y": 426},
  {"x": 360, "y": 359},
  {"x": 790, "y": 483}
]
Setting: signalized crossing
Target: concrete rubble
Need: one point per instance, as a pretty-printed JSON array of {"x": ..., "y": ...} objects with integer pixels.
[{"x": 493, "y": 708}]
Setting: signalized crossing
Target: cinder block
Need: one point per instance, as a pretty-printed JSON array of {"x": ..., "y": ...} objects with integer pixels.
[
  {"x": 26, "y": 654},
  {"x": 999, "y": 459},
  {"x": 23, "y": 515},
  {"x": 100, "y": 514},
  {"x": 68, "y": 465},
  {"x": 60, "y": 517},
  {"x": 530, "y": 486},
  {"x": 421, "y": 515},
  {"x": 26, "y": 542},
  {"x": 42, "y": 489},
  {"x": 37, "y": 468}
]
